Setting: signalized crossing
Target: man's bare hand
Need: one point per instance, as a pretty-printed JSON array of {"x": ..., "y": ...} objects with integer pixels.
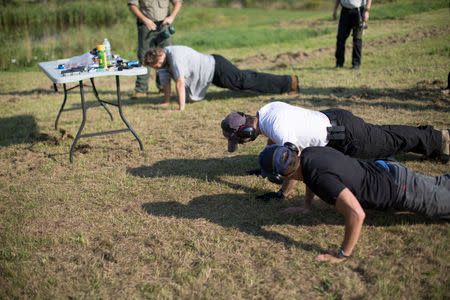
[
  {"x": 150, "y": 25},
  {"x": 168, "y": 20},
  {"x": 366, "y": 16},
  {"x": 330, "y": 257}
]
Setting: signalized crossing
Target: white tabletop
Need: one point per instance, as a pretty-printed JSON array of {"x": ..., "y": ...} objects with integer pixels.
[{"x": 50, "y": 68}]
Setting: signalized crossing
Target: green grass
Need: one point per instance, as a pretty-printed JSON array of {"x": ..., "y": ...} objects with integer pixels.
[
  {"x": 41, "y": 32},
  {"x": 180, "y": 219},
  {"x": 250, "y": 38}
]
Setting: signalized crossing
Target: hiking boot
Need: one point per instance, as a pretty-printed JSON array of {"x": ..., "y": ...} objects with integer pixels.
[
  {"x": 355, "y": 67},
  {"x": 445, "y": 148},
  {"x": 295, "y": 88},
  {"x": 138, "y": 95},
  {"x": 339, "y": 65}
]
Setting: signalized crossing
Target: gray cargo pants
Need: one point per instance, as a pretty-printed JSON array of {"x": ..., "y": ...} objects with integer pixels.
[{"x": 420, "y": 193}]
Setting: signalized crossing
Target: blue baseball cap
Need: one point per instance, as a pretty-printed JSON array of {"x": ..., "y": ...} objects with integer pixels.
[{"x": 270, "y": 160}]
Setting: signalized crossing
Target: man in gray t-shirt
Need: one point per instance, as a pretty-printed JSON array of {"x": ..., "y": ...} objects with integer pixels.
[
  {"x": 193, "y": 73},
  {"x": 196, "y": 68}
]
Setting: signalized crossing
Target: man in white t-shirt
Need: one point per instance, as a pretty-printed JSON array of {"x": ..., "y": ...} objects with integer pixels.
[
  {"x": 336, "y": 128},
  {"x": 354, "y": 15},
  {"x": 193, "y": 73}
]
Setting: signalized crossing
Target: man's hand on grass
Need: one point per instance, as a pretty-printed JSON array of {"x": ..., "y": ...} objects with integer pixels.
[{"x": 330, "y": 257}]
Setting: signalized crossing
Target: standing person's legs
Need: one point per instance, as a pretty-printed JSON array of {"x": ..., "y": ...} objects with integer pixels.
[
  {"x": 364, "y": 140},
  {"x": 146, "y": 40},
  {"x": 421, "y": 193},
  {"x": 226, "y": 75},
  {"x": 357, "y": 37},
  {"x": 344, "y": 28}
]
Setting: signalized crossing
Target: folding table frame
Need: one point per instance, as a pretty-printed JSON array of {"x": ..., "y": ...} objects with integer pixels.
[{"x": 50, "y": 68}]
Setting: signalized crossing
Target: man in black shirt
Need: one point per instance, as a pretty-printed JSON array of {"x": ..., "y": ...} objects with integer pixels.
[{"x": 352, "y": 186}]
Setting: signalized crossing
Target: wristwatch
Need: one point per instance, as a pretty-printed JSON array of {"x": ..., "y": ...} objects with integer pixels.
[
  {"x": 280, "y": 194},
  {"x": 341, "y": 253}
]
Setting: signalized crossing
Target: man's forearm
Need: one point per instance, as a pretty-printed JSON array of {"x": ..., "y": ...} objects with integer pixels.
[
  {"x": 309, "y": 196},
  {"x": 348, "y": 205},
  {"x": 336, "y": 5},
  {"x": 176, "y": 9},
  {"x": 137, "y": 12},
  {"x": 288, "y": 186},
  {"x": 167, "y": 90},
  {"x": 181, "y": 92}
]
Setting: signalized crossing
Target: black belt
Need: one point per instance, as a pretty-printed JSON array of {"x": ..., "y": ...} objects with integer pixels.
[
  {"x": 352, "y": 9},
  {"x": 157, "y": 23}
]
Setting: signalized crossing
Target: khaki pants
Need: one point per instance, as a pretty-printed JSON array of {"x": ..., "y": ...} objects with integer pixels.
[{"x": 148, "y": 39}]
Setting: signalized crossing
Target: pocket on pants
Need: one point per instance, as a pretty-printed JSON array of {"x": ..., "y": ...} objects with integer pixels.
[{"x": 163, "y": 4}]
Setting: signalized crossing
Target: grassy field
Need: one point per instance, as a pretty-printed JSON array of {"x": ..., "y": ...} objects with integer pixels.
[
  {"x": 32, "y": 32},
  {"x": 180, "y": 219}
]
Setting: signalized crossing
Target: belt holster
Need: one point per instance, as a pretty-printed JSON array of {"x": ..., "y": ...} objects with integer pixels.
[{"x": 335, "y": 133}]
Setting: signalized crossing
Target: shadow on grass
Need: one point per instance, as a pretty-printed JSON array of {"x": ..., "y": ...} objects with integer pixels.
[
  {"x": 392, "y": 217},
  {"x": 36, "y": 91},
  {"x": 340, "y": 96},
  {"x": 210, "y": 96},
  {"x": 238, "y": 211},
  {"x": 243, "y": 212},
  {"x": 211, "y": 169},
  {"x": 18, "y": 129},
  {"x": 427, "y": 94}
]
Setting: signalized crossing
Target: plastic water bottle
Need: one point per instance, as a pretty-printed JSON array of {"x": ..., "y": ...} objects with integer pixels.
[{"x": 107, "y": 50}]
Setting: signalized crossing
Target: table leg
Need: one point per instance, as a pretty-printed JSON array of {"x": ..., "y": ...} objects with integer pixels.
[
  {"x": 98, "y": 99},
  {"x": 62, "y": 106},
  {"x": 119, "y": 104},
  {"x": 83, "y": 108}
]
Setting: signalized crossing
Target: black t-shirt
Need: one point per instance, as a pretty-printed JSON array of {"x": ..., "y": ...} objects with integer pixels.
[{"x": 327, "y": 172}]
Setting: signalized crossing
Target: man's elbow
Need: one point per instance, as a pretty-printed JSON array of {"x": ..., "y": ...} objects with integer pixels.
[
  {"x": 360, "y": 215},
  {"x": 180, "y": 81}
]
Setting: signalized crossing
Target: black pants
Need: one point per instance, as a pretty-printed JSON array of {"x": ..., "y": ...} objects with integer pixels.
[
  {"x": 364, "y": 140},
  {"x": 226, "y": 75},
  {"x": 349, "y": 20}
]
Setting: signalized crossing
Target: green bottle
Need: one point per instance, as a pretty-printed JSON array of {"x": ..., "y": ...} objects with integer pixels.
[{"x": 102, "y": 63}]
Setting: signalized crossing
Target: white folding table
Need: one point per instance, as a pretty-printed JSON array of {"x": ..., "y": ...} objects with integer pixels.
[{"x": 50, "y": 68}]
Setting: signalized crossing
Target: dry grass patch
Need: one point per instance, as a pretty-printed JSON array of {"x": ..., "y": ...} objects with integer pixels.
[{"x": 180, "y": 219}]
